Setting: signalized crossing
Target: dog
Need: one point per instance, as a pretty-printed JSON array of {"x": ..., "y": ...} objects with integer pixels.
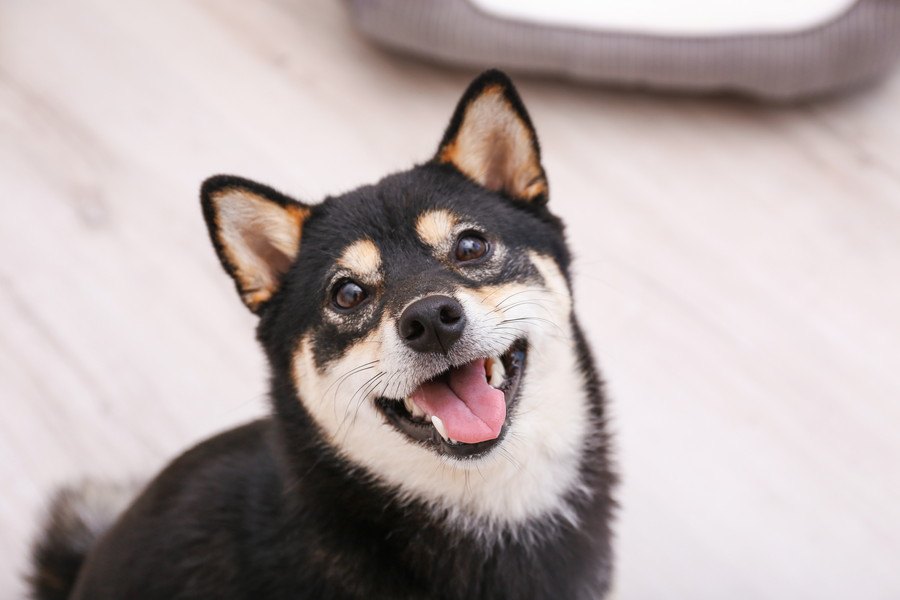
[{"x": 438, "y": 424}]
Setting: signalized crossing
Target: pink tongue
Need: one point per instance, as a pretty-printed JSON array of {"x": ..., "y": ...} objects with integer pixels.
[{"x": 472, "y": 410}]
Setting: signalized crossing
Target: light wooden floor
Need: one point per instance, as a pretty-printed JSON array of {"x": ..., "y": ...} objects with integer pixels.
[{"x": 739, "y": 276}]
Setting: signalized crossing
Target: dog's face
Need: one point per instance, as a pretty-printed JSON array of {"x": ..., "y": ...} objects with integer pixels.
[{"x": 425, "y": 321}]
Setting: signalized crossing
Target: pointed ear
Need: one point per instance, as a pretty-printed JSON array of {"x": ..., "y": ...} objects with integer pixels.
[
  {"x": 490, "y": 139},
  {"x": 256, "y": 233}
]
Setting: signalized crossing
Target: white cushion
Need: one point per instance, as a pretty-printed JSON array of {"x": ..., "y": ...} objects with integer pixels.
[{"x": 672, "y": 17}]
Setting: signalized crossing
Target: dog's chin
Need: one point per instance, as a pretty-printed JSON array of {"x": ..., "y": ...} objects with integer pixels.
[{"x": 502, "y": 372}]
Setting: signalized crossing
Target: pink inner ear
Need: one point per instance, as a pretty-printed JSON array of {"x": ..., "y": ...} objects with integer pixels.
[
  {"x": 495, "y": 147},
  {"x": 278, "y": 262},
  {"x": 259, "y": 239},
  {"x": 497, "y": 168}
]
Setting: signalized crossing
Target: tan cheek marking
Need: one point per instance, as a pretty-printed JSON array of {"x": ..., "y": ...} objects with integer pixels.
[
  {"x": 502, "y": 297},
  {"x": 435, "y": 227},
  {"x": 362, "y": 258},
  {"x": 495, "y": 300},
  {"x": 303, "y": 369},
  {"x": 554, "y": 279},
  {"x": 490, "y": 295},
  {"x": 330, "y": 391}
]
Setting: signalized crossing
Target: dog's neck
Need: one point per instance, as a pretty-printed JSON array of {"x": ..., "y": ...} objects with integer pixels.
[{"x": 459, "y": 533}]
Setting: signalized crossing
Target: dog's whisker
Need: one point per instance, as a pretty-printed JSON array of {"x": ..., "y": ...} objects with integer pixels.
[
  {"x": 535, "y": 320},
  {"x": 342, "y": 378},
  {"x": 363, "y": 397},
  {"x": 353, "y": 397},
  {"x": 527, "y": 291},
  {"x": 486, "y": 298},
  {"x": 539, "y": 304},
  {"x": 478, "y": 468},
  {"x": 340, "y": 381},
  {"x": 506, "y": 454}
]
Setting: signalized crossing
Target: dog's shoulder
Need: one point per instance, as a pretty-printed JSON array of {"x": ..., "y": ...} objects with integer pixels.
[{"x": 183, "y": 530}]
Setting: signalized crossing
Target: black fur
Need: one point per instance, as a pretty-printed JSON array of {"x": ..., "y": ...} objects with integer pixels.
[
  {"x": 271, "y": 511},
  {"x": 59, "y": 554}
]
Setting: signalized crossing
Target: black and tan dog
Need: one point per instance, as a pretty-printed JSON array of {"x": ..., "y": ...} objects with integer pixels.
[{"x": 438, "y": 426}]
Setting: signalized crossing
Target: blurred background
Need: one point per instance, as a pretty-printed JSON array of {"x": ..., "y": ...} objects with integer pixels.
[{"x": 738, "y": 260}]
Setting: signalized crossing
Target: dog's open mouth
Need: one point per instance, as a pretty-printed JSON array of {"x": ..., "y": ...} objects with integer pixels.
[{"x": 465, "y": 410}]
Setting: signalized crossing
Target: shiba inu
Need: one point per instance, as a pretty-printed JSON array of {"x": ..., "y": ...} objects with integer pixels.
[{"x": 438, "y": 422}]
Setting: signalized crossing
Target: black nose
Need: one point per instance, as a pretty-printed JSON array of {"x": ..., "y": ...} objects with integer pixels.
[{"x": 432, "y": 324}]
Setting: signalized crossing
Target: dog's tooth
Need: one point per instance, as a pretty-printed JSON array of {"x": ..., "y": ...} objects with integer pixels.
[
  {"x": 439, "y": 425},
  {"x": 413, "y": 408},
  {"x": 498, "y": 374}
]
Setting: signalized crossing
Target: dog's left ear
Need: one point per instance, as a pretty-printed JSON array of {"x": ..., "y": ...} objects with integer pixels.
[
  {"x": 490, "y": 139},
  {"x": 256, "y": 232}
]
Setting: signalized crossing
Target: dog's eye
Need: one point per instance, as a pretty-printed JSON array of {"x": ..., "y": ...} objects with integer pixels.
[
  {"x": 348, "y": 294},
  {"x": 470, "y": 246}
]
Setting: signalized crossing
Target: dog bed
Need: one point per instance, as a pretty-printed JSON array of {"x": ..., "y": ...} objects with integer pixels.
[{"x": 768, "y": 48}]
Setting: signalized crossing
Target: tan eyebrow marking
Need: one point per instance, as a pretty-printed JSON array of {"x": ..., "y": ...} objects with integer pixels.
[
  {"x": 362, "y": 257},
  {"x": 435, "y": 227}
]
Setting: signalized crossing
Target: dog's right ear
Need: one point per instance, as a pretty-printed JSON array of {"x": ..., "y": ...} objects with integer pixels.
[
  {"x": 490, "y": 140},
  {"x": 256, "y": 232}
]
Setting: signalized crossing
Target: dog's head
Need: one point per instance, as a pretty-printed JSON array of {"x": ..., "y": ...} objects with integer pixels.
[{"x": 425, "y": 321}]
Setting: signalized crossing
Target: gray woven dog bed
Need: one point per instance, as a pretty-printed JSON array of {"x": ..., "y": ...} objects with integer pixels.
[{"x": 853, "y": 48}]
